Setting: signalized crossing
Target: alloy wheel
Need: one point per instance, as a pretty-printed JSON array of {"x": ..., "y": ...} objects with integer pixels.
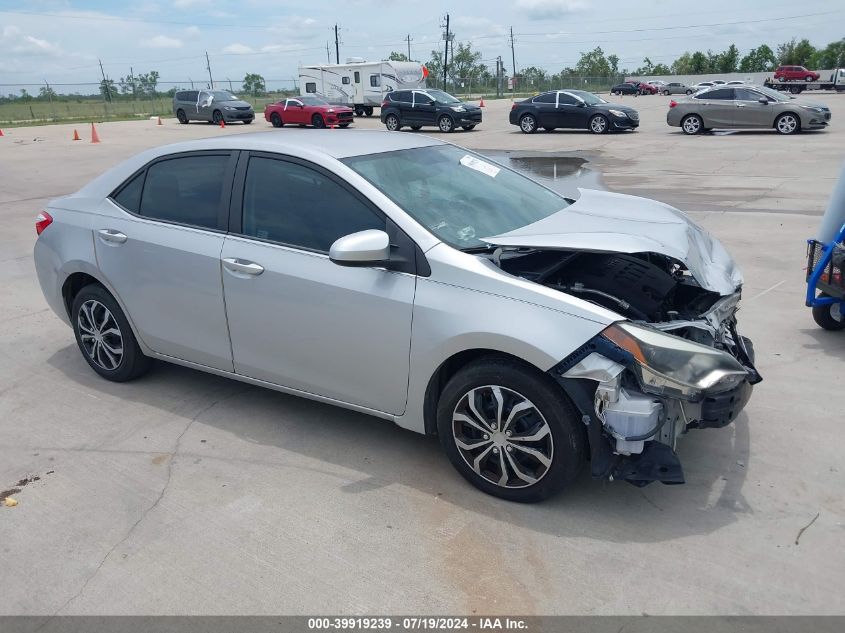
[
  {"x": 502, "y": 436},
  {"x": 528, "y": 124},
  {"x": 445, "y": 124},
  {"x": 787, "y": 124},
  {"x": 392, "y": 122},
  {"x": 692, "y": 125},
  {"x": 100, "y": 335},
  {"x": 598, "y": 124}
]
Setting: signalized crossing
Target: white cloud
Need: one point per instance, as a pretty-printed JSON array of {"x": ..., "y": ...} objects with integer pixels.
[
  {"x": 13, "y": 41},
  {"x": 190, "y": 4},
  {"x": 238, "y": 49},
  {"x": 548, "y": 9},
  {"x": 192, "y": 31},
  {"x": 161, "y": 41}
]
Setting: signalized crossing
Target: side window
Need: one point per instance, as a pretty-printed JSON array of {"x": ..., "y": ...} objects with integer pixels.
[
  {"x": 566, "y": 99},
  {"x": 548, "y": 97},
  {"x": 744, "y": 94},
  {"x": 311, "y": 87},
  {"x": 720, "y": 94},
  {"x": 180, "y": 96},
  {"x": 129, "y": 195},
  {"x": 185, "y": 190},
  {"x": 295, "y": 205},
  {"x": 345, "y": 80},
  {"x": 357, "y": 77},
  {"x": 400, "y": 96},
  {"x": 192, "y": 96},
  {"x": 375, "y": 81}
]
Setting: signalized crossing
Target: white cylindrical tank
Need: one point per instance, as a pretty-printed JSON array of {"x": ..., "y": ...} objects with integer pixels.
[{"x": 834, "y": 215}]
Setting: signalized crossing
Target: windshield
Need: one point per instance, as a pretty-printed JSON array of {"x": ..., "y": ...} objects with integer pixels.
[
  {"x": 771, "y": 94},
  {"x": 457, "y": 195},
  {"x": 313, "y": 101},
  {"x": 442, "y": 97},
  {"x": 222, "y": 95},
  {"x": 587, "y": 97}
]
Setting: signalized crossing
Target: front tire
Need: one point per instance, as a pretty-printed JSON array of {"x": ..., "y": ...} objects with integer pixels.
[
  {"x": 276, "y": 120},
  {"x": 665, "y": 93},
  {"x": 808, "y": 79},
  {"x": 217, "y": 117},
  {"x": 318, "y": 122},
  {"x": 692, "y": 124},
  {"x": 446, "y": 124},
  {"x": 829, "y": 317},
  {"x": 368, "y": 111},
  {"x": 392, "y": 123},
  {"x": 182, "y": 117},
  {"x": 528, "y": 124},
  {"x": 788, "y": 123},
  {"x": 104, "y": 336},
  {"x": 510, "y": 430},
  {"x": 599, "y": 124}
]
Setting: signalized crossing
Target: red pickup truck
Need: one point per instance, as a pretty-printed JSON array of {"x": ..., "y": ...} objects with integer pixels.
[{"x": 795, "y": 73}]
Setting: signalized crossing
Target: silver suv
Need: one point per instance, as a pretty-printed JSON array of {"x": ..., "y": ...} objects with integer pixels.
[
  {"x": 212, "y": 106},
  {"x": 416, "y": 281}
]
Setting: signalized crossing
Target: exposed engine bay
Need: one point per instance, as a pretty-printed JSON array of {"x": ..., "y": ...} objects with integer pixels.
[{"x": 639, "y": 412}]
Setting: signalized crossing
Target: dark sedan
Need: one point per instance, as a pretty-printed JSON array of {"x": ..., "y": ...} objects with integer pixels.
[{"x": 572, "y": 109}]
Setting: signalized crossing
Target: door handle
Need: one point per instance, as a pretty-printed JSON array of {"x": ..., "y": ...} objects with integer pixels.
[
  {"x": 243, "y": 266},
  {"x": 110, "y": 235}
]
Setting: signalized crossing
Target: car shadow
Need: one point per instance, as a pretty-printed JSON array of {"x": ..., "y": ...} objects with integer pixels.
[
  {"x": 715, "y": 461},
  {"x": 827, "y": 342}
]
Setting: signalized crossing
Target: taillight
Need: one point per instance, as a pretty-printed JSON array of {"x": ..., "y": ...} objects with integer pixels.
[
  {"x": 673, "y": 103},
  {"x": 42, "y": 221},
  {"x": 513, "y": 106},
  {"x": 384, "y": 103}
]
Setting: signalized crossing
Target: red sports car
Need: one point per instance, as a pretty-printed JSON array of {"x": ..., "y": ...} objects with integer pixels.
[{"x": 307, "y": 110}]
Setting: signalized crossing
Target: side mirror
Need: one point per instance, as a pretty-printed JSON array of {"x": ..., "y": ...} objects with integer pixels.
[
  {"x": 364, "y": 248},
  {"x": 581, "y": 104},
  {"x": 763, "y": 100}
]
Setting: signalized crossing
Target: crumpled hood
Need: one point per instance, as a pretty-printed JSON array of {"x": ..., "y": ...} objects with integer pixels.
[{"x": 600, "y": 221}]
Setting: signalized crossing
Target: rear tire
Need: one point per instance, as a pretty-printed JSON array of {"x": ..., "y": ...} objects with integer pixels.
[
  {"x": 689, "y": 92},
  {"x": 104, "y": 336},
  {"x": 808, "y": 79},
  {"x": 247, "y": 121},
  {"x": 481, "y": 438},
  {"x": 276, "y": 120},
  {"x": 181, "y": 116},
  {"x": 318, "y": 122},
  {"x": 692, "y": 124},
  {"x": 392, "y": 123},
  {"x": 528, "y": 123},
  {"x": 368, "y": 111},
  {"x": 217, "y": 117},
  {"x": 416, "y": 128},
  {"x": 829, "y": 317}
]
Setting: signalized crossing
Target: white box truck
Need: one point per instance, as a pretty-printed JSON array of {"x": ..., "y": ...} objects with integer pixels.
[{"x": 360, "y": 84}]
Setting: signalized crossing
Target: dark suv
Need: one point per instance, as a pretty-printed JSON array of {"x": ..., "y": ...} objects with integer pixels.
[{"x": 416, "y": 108}]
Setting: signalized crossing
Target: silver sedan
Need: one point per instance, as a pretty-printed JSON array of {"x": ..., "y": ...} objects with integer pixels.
[
  {"x": 738, "y": 107},
  {"x": 416, "y": 281}
]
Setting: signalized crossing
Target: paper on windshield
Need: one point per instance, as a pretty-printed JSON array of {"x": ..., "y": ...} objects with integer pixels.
[{"x": 479, "y": 165}]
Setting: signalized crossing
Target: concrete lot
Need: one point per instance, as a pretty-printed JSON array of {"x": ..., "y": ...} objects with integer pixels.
[{"x": 185, "y": 493}]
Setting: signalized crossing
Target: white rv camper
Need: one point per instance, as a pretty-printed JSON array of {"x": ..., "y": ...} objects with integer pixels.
[{"x": 360, "y": 84}]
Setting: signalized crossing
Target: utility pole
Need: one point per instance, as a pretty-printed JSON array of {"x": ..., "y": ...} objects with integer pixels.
[
  {"x": 50, "y": 96},
  {"x": 328, "y": 55},
  {"x": 408, "y": 38},
  {"x": 208, "y": 65},
  {"x": 513, "y": 60},
  {"x": 132, "y": 83},
  {"x": 192, "y": 83},
  {"x": 446, "y": 37},
  {"x": 230, "y": 85},
  {"x": 499, "y": 76},
  {"x": 105, "y": 83},
  {"x": 336, "y": 46}
]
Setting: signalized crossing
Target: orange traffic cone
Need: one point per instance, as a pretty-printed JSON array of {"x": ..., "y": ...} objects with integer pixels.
[
  {"x": 76, "y": 135},
  {"x": 159, "y": 121},
  {"x": 1, "y": 133},
  {"x": 94, "y": 137},
  {"x": 481, "y": 105},
  {"x": 222, "y": 123}
]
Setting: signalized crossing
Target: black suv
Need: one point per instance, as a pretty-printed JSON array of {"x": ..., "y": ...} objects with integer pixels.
[
  {"x": 577, "y": 109},
  {"x": 416, "y": 108}
]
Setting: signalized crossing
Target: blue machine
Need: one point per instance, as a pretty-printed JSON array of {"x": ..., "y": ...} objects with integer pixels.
[{"x": 825, "y": 264}]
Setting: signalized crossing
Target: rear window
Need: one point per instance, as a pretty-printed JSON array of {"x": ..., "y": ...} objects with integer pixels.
[
  {"x": 129, "y": 196},
  {"x": 402, "y": 96},
  {"x": 548, "y": 97}
]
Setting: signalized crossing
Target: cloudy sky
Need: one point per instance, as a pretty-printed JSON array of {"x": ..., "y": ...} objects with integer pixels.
[{"x": 61, "y": 40}]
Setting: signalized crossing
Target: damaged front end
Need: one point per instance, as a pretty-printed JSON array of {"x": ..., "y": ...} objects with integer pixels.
[{"x": 677, "y": 363}]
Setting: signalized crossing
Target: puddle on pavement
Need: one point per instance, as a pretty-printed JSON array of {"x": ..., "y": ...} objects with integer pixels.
[{"x": 564, "y": 174}]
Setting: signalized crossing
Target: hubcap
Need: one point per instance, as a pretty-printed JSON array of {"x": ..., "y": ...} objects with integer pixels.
[
  {"x": 598, "y": 124},
  {"x": 100, "y": 335},
  {"x": 692, "y": 125},
  {"x": 392, "y": 123},
  {"x": 787, "y": 123},
  {"x": 528, "y": 124},
  {"x": 502, "y": 436},
  {"x": 836, "y": 312},
  {"x": 445, "y": 124}
]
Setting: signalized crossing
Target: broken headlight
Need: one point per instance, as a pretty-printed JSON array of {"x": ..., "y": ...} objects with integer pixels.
[{"x": 673, "y": 367}]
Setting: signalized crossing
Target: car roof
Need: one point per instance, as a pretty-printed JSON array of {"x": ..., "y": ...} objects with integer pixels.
[{"x": 335, "y": 143}]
